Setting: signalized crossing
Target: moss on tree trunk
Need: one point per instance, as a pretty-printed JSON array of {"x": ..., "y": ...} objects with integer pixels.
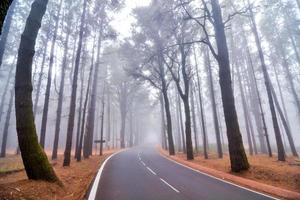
[
  {"x": 34, "y": 158},
  {"x": 237, "y": 153}
]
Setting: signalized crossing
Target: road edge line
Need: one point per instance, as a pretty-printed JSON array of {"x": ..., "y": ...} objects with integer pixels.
[
  {"x": 211, "y": 176},
  {"x": 93, "y": 191}
]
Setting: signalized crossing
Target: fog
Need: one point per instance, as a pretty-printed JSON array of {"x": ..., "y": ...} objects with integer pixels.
[{"x": 143, "y": 53}]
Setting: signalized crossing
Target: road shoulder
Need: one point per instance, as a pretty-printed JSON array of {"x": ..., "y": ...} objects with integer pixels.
[
  {"x": 232, "y": 179},
  {"x": 93, "y": 186},
  {"x": 76, "y": 179}
]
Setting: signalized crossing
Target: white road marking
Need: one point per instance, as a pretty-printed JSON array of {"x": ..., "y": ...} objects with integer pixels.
[
  {"x": 139, "y": 156},
  {"x": 151, "y": 171},
  {"x": 169, "y": 185},
  {"x": 143, "y": 163},
  {"x": 221, "y": 179},
  {"x": 93, "y": 191}
]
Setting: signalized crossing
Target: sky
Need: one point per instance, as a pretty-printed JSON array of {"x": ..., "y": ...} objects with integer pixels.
[{"x": 124, "y": 19}]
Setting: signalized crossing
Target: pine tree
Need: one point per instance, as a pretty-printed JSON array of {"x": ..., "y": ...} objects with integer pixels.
[{"x": 34, "y": 158}]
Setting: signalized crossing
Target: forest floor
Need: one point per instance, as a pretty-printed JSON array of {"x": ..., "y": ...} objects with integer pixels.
[
  {"x": 76, "y": 179},
  {"x": 265, "y": 170}
]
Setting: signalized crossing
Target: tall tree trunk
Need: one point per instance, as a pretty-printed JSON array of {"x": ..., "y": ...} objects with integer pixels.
[
  {"x": 102, "y": 127},
  {"x": 67, "y": 154},
  {"x": 295, "y": 49},
  {"x": 188, "y": 129},
  {"x": 202, "y": 115},
  {"x": 181, "y": 123},
  {"x": 256, "y": 102},
  {"x": 73, "y": 59},
  {"x": 245, "y": 109},
  {"x": 184, "y": 94},
  {"x": 123, "y": 103},
  {"x": 213, "y": 102},
  {"x": 123, "y": 126},
  {"x": 137, "y": 133},
  {"x": 4, "y": 6},
  {"x": 283, "y": 114},
  {"x": 6, "y": 125},
  {"x": 177, "y": 136},
  {"x": 284, "y": 122},
  {"x": 169, "y": 123},
  {"x": 97, "y": 135},
  {"x": 131, "y": 128},
  {"x": 220, "y": 127},
  {"x": 247, "y": 90},
  {"x": 252, "y": 132},
  {"x": 10, "y": 75},
  {"x": 232, "y": 57},
  {"x": 280, "y": 147},
  {"x": 266, "y": 134},
  {"x": 60, "y": 97},
  {"x": 40, "y": 79},
  {"x": 108, "y": 121},
  {"x": 237, "y": 153},
  {"x": 79, "y": 113},
  {"x": 283, "y": 137},
  {"x": 289, "y": 77},
  {"x": 49, "y": 80},
  {"x": 236, "y": 65},
  {"x": 194, "y": 119},
  {"x": 184, "y": 90},
  {"x": 113, "y": 129},
  {"x": 92, "y": 105},
  {"x": 6, "y": 28},
  {"x": 163, "y": 122},
  {"x": 167, "y": 104},
  {"x": 34, "y": 158},
  {"x": 179, "y": 133},
  {"x": 83, "y": 136},
  {"x": 281, "y": 96}
]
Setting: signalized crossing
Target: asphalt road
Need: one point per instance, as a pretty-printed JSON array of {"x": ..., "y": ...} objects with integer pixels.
[{"x": 143, "y": 174}]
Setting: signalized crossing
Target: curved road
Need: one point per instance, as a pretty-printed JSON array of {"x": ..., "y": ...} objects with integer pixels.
[{"x": 143, "y": 174}]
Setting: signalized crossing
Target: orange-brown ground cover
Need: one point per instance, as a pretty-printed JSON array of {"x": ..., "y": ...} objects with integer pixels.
[
  {"x": 76, "y": 180},
  {"x": 265, "y": 170},
  {"x": 11, "y": 163}
]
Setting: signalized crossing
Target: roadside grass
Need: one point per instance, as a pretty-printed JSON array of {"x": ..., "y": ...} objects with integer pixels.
[{"x": 11, "y": 163}]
